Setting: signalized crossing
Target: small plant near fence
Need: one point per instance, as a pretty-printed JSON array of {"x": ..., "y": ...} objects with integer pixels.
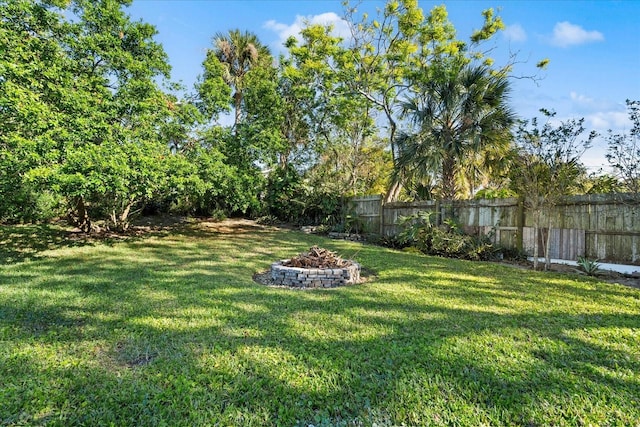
[{"x": 590, "y": 267}]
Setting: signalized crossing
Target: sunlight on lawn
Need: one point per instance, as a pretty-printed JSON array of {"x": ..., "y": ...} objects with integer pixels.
[{"x": 158, "y": 328}]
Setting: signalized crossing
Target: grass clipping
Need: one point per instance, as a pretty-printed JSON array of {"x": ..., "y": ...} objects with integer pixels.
[{"x": 317, "y": 258}]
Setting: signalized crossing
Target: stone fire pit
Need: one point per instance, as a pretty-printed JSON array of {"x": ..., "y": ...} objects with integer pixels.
[{"x": 319, "y": 268}]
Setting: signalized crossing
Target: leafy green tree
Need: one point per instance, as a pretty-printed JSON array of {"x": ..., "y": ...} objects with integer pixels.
[
  {"x": 202, "y": 182},
  {"x": 460, "y": 112},
  {"x": 179, "y": 127},
  {"x": 395, "y": 49},
  {"x": 213, "y": 91},
  {"x": 117, "y": 63},
  {"x": 312, "y": 73},
  {"x": 82, "y": 118},
  {"x": 269, "y": 129},
  {"x": 34, "y": 78},
  {"x": 598, "y": 183},
  {"x": 237, "y": 66},
  {"x": 547, "y": 168},
  {"x": 352, "y": 169},
  {"x": 339, "y": 127}
]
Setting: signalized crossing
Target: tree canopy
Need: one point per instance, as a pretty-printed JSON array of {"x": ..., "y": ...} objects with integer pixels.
[{"x": 92, "y": 128}]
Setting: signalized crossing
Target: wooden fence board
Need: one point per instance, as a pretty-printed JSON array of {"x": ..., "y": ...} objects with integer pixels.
[{"x": 605, "y": 227}]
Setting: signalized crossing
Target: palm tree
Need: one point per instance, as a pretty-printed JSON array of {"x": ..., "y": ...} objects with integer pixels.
[
  {"x": 457, "y": 114},
  {"x": 239, "y": 52}
]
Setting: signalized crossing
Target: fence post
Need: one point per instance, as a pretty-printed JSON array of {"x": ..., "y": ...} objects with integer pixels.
[
  {"x": 520, "y": 221},
  {"x": 381, "y": 214}
]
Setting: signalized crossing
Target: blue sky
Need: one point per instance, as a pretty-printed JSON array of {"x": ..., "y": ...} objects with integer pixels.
[{"x": 594, "y": 46}]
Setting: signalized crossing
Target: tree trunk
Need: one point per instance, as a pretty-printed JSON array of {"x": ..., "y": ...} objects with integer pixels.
[
  {"x": 81, "y": 218},
  {"x": 121, "y": 221},
  {"x": 547, "y": 257},
  {"x": 396, "y": 186},
  {"x": 449, "y": 187},
  {"x": 394, "y": 192},
  {"x": 392, "y": 135},
  {"x": 536, "y": 230},
  {"x": 237, "y": 105}
]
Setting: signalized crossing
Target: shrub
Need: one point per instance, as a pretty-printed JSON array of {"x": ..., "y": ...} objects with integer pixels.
[
  {"x": 393, "y": 242},
  {"x": 590, "y": 267},
  {"x": 514, "y": 254},
  {"x": 446, "y": 240},
  {"x": 218, "y": 215},
  {"x": 267, "y": 220},
  {"x": 289, "y": 198}
]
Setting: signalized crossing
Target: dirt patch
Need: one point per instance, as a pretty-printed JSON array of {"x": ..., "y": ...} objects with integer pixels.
[
  {"x": 230, "y": 226},
  {"x": 139, "y": 228},
  {"x": 166, "y": 223}
]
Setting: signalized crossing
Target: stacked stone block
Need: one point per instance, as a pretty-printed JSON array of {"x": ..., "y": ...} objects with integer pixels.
[{"x": 314, "y": 277}]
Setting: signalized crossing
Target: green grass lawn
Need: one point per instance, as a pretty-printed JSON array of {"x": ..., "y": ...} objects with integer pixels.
[{"x": 169, "y": 329}]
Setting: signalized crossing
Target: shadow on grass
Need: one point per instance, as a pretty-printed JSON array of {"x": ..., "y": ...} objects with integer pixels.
[
  {"x": 172, "y": 330},
  {"x": 21, "y": 242}
]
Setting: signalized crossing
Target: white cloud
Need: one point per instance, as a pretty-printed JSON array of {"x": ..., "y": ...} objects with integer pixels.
[
  {"x": 600, "y": 114},
  {"x": 580, "y": 99},
  {"x": 584, "y": 103},
  {"x": 566, "y": 34},
  {"x": 602, "y": 121},
  {"x": 515, "y": 33},
  {"x": 284, "y": 31}
]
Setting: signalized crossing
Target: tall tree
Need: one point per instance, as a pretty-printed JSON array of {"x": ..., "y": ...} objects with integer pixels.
[
  {"x": 393, "y": 50},
  {"x": 34, "y": 76},
  {"x": 93, "y": 92},
  {"x": 460, "y": 111},
  {"x": 238, "y": 52},
  {"x": 341, "y": 126}
]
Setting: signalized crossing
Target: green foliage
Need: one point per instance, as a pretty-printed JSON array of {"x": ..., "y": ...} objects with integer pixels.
[
  {"x": 395, "y": 55},
  {"x": 323, "y": 207},
  {"x": 415, "y": 226},
  {"x": 214, "y": 93},
  {"x": 218, "y": 215},
  {"x": 457, "y": 115},
  {"x": 601, "y": 184},
  {"x": 446, "y": 240},
  {"x": 112, "y": 178},
  {"x": 290, "y": 199},
  {"x": 233, "y": 56},
  {"x": 493, "y": 193},
  {"x": 284, "y": 194},
  {"x": 547, "y": 166},
  {"x": 202, "y": 182},
  {"x": 80, "y": 116},
  {"x": 514, "y": 254},
  {"x": 267, "y": 220},
  {"x": 590, "y": 267}
]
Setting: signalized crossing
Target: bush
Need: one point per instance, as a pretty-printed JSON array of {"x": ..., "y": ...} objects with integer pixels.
[
  {"x": 393, "y": 242},
  {"x": 590, "y": 267},
  {"x": 288, "y": 198},
  {"x": 267, "y": 220},
  {"x": 218, "y": 215},
  {"x": 514, "y": 254},
  {"x": 446, "y": 240}
]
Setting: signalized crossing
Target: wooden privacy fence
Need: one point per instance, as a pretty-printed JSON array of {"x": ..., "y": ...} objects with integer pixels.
[{"x": 604, "y": 226}]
